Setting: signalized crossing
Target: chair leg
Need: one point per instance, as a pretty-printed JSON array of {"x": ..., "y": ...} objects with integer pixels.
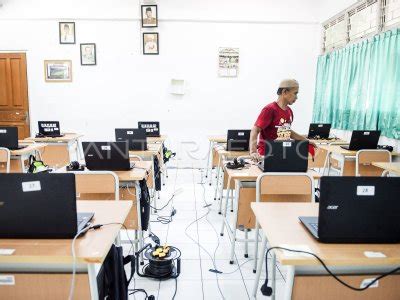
[
  {"x": 246, "y": 243},
  {"x": 256, "y": 247},
  {"x": 233, "y": 243},
  {"x": 217, "y": 182},
  {"x": 225, "y": 211},
  {"x": 259, "y": 268}
]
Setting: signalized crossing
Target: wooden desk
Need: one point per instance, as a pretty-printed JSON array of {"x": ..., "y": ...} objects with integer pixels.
[
  {"x": 345, "y": 158},
  {"x": 306, "y": 279},
  {"x": 59, "y": 149},
  {"x": 18, "y": 157},
  {"x": 42, "y": 268},
  {"x": 393, "y": 167},
  {"x": 211, "y": 157},
  {"x": 157, "y": 139}
]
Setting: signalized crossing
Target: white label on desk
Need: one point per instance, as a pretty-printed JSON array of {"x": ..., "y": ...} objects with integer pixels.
[
  {"x": 297, "y": 248},
  {"x": 372, "y": 254},
  {"x": 7, "y": 251},
  {"x": 106, "y": 148},
  {"x": 129, "y": 132},
  {"x": 287, "y": 144},
  {"x": 31, "y": 186},
  {"x": 7, "y": 280},
  {"x": 3, "y": 130},
  {"x": 365, "y": 190},
  {"x": 366, "y": 133},
  {"x": 367, "y": 281}
]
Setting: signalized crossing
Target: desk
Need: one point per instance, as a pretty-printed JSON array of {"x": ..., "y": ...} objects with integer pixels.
[
  {"x": 306, "y": 279},
  {"x": 320, "y": 154},
  {"x": 393, "y": 167},
  {"x": 236, "y": 178},
  {"x": 345, "y": 158},
  {"x": 20, "y": 156},
  {"x": 58, "y": 150},
  {"x": 42, "y": 268},
  {"x": 211, "y": 162}
]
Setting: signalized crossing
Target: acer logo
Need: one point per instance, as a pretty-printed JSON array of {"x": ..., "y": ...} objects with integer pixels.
[{"x": 333, "y": 207}]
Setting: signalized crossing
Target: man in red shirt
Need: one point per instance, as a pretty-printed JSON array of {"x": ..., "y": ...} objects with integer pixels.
[{"x": 273, "y": 116}]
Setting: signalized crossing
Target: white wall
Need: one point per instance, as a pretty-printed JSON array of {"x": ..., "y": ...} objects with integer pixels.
[{"x": 277, "y": 39}]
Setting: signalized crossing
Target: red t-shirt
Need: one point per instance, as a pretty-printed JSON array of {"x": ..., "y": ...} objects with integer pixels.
[{"x": 270, "y": 117}]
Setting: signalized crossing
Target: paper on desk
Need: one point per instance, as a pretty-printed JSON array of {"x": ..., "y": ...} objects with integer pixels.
[
  {"x": 7, "y": 251},
  {"x": 296, "y": 247}
]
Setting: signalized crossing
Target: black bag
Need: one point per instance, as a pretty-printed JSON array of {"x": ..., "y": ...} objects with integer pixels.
[
  {"x": 144, "y": 204},
  {"x": 157, "y": 174},
  {"x": 112, "y": 281}
]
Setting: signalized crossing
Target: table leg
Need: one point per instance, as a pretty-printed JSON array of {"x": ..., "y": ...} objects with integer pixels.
[
  {"x": 208, "y": 158},
  {"x": 218, "y": 170},
  {"x": 224, "y": 213},
  {"x": 259, "y": 268},
  {"x": 139, "y": 217},
  {"x": 256, "y": 246},
  {"x": 289, "y": 283},
  {"x": 94, "y": 292}
]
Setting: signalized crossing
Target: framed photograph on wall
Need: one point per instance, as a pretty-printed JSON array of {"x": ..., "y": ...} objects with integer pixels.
[
  {"x": 67, "y": 32},
  {"x": 150, "y": 43},
  {"x": 58, "y": 70},
  {"x": 149, "y": 16},
  {"x": 88, "y": 54}
]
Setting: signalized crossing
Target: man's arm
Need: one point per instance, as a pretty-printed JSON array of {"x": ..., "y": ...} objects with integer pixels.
[
  {"x": 294, "y": 135},
  {"x": 255, "y": 131}
]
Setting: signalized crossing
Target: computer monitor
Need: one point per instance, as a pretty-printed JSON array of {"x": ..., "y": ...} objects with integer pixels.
[
  {"x": 152, "y": 128},
  {"x": 363, "y": 139},
  {"x": 49, "y": 128},
  {"x": 319, "y": 131},
  {"x": 135, "y": 137},
  {"x": 9, "y": 138},
  {"x": 238, "y": 140}
]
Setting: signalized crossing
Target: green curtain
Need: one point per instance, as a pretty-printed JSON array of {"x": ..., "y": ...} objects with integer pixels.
[{"x": 358, "y": 87}]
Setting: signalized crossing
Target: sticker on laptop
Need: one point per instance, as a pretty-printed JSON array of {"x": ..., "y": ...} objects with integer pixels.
[
  {"x": 106, "y": 148},
  {"x": 287, "y": 144},
  {"x": 129, "y": 132},
  {"x": 365, "y": 190},
  {"x": 7, "y": 280},
  {"x": 320, "y": 125},
  {"x": 366, "y": 132},
  {"x": 31, "y": 186},
  {"x": 3, "y": 130},
  {"x": 240, "y": 133}
]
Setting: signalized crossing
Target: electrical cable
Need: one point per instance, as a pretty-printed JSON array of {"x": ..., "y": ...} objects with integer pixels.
[{"x": 330, "y": 272}]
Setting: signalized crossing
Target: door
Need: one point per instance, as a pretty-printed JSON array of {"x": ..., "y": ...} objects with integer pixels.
[{"x": 14, "y": 107}]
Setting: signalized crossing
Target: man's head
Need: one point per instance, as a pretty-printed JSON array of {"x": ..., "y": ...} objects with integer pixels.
[
  {"x": 88, "y": 50},
  {"x": 288, "y": 90},
  {"x": 66, "y": 28},
  {"x": 149, "y": 12}
]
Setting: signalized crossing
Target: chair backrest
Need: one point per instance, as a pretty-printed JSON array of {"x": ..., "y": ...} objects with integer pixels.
[
  {"x": 364, "y": 158},
  {"x": 97, "y": 185},
  {"x": 4, "y": 160},
  {"x": 285, "y": 187}
]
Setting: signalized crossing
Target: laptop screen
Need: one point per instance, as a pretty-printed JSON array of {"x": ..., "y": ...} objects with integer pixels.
[{"x": 49, "y": 128}]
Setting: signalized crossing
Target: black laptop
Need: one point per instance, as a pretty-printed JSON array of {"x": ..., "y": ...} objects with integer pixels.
[
  {"x": 363, "y": 139},
  {"x": 285, "y": 156},
  {"x": 238, "y": 140},
  {"x": 152, "y": 128},
  {"x": 136, "y": 138},
  {"x": 39, "y": 206},
  {"x": 9, "y": 138},
  {"x": 49, "y": 129},
  {"x": 357, "y": 210},
  {"x": 107, "y": 156},
  {"x": 318, "y": 131}
]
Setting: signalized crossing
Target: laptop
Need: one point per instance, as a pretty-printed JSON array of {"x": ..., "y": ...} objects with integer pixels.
[
  {"x": 319, "y": 131},
  {"x": 136, "y": 138},
  {"x": 39, "y": 206},
  {"x": 363, "y": 139},
  {"x": 357, "y": 210},
  {"x": 152, "y": 128},
  {"x": 238, "y": 140},
  {"x": 9, "y": 138},
  {"x": 285, "y": 156},
  {"x": 107, "y": 156},
  {"x": 49, "y": 129}
]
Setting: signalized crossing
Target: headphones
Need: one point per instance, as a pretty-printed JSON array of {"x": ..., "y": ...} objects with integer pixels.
[
  {"x": 75, "y": 166},
  {"x": 236, "y": 164}
]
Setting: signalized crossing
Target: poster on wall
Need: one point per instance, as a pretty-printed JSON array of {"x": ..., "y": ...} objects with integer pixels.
[
  {"x": 149, "y": 16},
  {"x": 67, "y": 32},
  {"x": 88, "y": 54},
  {"x": 228, "y": 62},
  {"x": 58, "y": 70},
  {"x": 150, "y": 43}
]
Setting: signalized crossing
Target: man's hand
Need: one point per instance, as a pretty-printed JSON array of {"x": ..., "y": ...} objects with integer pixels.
[
  {"x": 313, "y": 144},
  {"x": 255, "y": 157}
]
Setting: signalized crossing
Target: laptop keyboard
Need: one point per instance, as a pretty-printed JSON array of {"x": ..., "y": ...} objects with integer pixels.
[{"x": 314, "y": 226}]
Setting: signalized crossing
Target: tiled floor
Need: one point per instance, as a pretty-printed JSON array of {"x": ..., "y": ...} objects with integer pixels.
[{"x": 200, "y": 242}]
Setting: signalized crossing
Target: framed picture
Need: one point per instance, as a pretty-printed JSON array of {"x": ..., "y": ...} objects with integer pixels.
[
  {"x": 150, "y": 43},
  {"x": 149, "y": 16},
  {"x": 58, "y": 70},
  {"x": 67, "y": 32},
  {"x": 88, "y": 54}
]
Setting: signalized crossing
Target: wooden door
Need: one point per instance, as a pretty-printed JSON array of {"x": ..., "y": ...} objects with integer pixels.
[{"x": 14, "y": 107}]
